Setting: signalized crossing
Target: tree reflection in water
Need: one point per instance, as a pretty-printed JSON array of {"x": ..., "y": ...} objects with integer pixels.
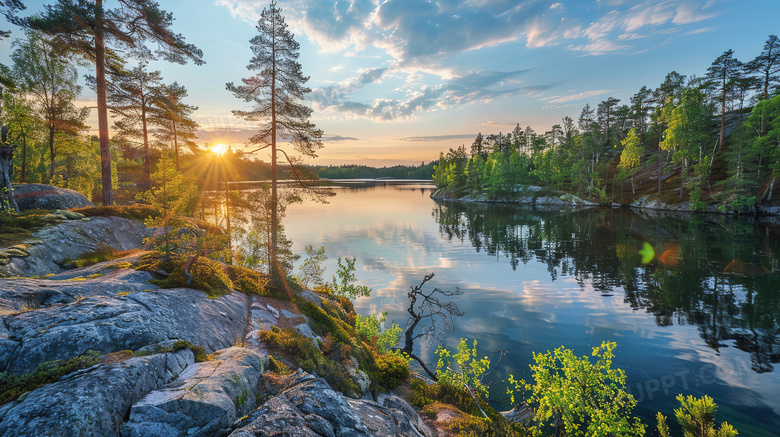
[{"x": 717, "y": 273}]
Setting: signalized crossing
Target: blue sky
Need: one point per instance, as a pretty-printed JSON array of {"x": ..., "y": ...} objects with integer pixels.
[{"x": 397, "y": 81}]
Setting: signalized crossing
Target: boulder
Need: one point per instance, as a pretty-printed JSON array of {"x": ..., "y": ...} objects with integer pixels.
[
  {"x": 203, "y": 401},
  {"x": 40, "y": 196},
  {"x": 310, "y": 407},
  {"x": 51, "y": 246},
  {"x": 126, "y": 320},
  {"x": 91, "y": 402}
]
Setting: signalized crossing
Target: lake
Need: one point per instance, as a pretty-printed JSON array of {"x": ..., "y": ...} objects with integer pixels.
[{"x": 700, "y": 317}]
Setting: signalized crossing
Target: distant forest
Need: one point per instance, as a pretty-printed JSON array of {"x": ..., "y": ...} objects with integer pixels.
[
  {"x": 711, "y": 139},
  {"x": 352, "y": 171}
]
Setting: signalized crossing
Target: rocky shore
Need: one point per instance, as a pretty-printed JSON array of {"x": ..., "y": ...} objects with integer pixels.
[{"x": 150, "y": 376}]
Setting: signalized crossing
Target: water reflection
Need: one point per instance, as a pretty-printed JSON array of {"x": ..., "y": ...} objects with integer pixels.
[{"x": 716, "y": 273}]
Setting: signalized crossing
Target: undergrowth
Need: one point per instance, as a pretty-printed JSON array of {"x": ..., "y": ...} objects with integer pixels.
[
  {"x": 15, "y": 228},
  {"x": 305, "y": 354},
  {"x": 136, "y": 211},
  {"x": 12, "y": 386},
  {"x": 432, "y": 397}
]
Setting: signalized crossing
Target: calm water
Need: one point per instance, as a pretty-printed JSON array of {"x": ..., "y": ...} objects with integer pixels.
[{"x": 702, "y": 319}]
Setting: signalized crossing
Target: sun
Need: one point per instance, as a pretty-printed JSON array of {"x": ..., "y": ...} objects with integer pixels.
[{"x": 219, "y": 149}]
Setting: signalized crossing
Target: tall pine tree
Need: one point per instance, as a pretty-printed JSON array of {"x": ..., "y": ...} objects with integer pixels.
[{"x": 277, "y": 92}]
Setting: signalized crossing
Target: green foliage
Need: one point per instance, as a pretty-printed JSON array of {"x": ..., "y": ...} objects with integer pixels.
[
  {"x": 393, "y": 370},
  {"x": 12, "y": 386},
  {"x": 369, "y": 328},
  {"x": 305, "y": 354},
  {"x": 198, "y": 351},
  {"x": 425, "y": 395},
  {"x": 310, "y": 272},
  {"x": 633, "y": 151},
  {"x": 277, "y": 366},
  {"x": 697, "y": 418},
  {"x": 322, "y": 323},
  {"x": 345, "y": 285},
  {"x": 207, "y": 275},
  {"x": 470, "y": 369},
  {"x": 580, "y": 397},
  {"x": 171, "y": 196},
  {"x": 663, "y": 428}
]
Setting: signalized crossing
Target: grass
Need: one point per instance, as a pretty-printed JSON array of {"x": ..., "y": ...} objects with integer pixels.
[
  {"x": 15, "y": 228},
  {"x": 136, "y": 212},
  {"x": 107, "y": 254},
  {"x": 12, "y": 386}
]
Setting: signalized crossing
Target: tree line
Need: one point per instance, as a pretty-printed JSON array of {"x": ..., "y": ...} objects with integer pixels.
[
  {"x": 356, "y": 171},
  {"x": 704, "y": 139}
]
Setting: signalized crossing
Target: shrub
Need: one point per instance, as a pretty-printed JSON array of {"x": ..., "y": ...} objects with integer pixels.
[
  {"x": 322, "y": 323},
  {"x": 198, "y": 351},
  {"x": 207, "y": 275},
  {"x": 600, "y": 406},
  {"x": 304, "y": 353},
  {"x": 393, "y": 370}
]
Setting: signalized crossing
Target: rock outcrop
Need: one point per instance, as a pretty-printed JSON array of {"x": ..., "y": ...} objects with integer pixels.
[
  {"x": 91, "y": 402},
  {"x": 159, "y": 389},
  {"x": 50, "y": 247},
  {"x": 114, "y": 317},
  {"x": 40, "y": 196},
  {"x": 309, "y": 407},
  {"x": 203, "y": 401},
  {"x": 530, "y": 195}
]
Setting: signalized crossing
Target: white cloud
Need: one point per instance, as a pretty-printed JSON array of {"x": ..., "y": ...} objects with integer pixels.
[
  {"x": 577, "y": 96},
  {"x": 415, "y": 42}
]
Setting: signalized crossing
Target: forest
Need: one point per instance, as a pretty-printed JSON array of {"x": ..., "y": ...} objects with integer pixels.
[{"x": 710, "y": 139}]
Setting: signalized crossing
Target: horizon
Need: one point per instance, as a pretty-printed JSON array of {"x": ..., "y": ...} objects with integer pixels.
[{"x": 383, "y": 98}]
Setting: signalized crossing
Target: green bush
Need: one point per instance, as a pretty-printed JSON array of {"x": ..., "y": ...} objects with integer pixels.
[
  {"x": 322, "y": 323},
  {"x": 198, "y": 351},
  {"x": 393, "y": 370},
  {"x": 207, "y": 275},
  {"x": 304, "y": 353}
]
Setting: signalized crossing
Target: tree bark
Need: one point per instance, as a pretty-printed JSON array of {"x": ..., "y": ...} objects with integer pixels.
[
  {"x": 7, "y": 201},
  {"x": 51, "y": 151},
  {"x": 102, "y": 107}
]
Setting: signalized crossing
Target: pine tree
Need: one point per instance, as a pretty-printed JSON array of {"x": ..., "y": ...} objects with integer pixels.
[
  {"x": 723, "y": 69},
  {"x": 134, "y": 97},
  {"x": 173, "y": 120},
  {"x": 88, "y": 29},
  {"x": 277, "y": 92},
  {"x": 766, "y": 66}
]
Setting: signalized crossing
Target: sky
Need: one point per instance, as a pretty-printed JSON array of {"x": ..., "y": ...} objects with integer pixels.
[{"x": 398, "y": 81}]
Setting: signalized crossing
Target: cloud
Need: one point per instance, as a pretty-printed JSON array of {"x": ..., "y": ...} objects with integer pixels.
[
  {"x": 648, "y": 18},
  {"x": 491, "y": 123},
  {"x": 439, "y": 137},
  {"x": 336, "y": 138},
  {"x": 465, "y": 89},
  {"x": 418, "y": 43}
]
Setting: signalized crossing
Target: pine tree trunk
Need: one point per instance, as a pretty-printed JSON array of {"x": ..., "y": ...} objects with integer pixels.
[
  {"x": 102, "y": 108},
  {"x": 146, "y": 180},
  {"x": 51, "y": 151},
  {"x": 273, "y": 265},
  {"x": 7, "y": 201}
]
